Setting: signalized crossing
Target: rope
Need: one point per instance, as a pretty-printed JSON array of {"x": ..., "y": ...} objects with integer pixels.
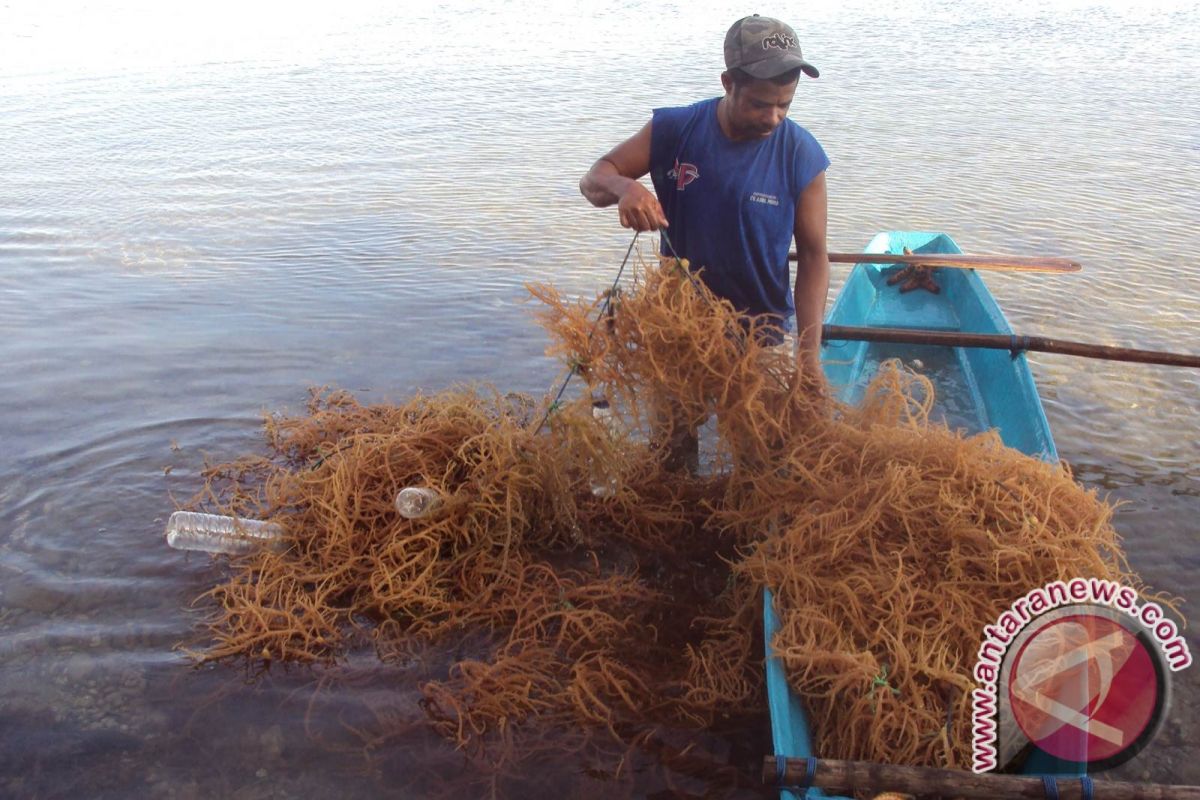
[
  {"x": 679, "y": 263},
  {"x": 879, "y": 681},
  {"x": 810, "y": 773},
  {"x": 574, "y": 367}
]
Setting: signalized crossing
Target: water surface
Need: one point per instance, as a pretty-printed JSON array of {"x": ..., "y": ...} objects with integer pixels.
[{"x": 205, "y": 210}]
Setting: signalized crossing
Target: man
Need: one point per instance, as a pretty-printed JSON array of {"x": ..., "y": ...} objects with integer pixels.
[{"x": 735, "y": 182}]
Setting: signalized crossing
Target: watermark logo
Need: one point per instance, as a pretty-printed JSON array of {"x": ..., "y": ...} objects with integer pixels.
[{"x": 1078, "y": 670}]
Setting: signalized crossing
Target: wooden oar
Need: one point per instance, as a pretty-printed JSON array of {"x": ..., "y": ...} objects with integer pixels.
[
  {"x": 997, "y": 341},
  {"x": 848, "y": 776},
  {"x": 1007, "y": 263}
]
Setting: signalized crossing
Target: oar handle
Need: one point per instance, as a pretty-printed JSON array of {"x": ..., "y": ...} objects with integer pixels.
[
  {"x": 1006, "y": 263},
  {"x": 1001, "y": 341}
]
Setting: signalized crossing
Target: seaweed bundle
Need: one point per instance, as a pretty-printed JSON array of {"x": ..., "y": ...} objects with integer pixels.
[{"x": 888, "y": 542}]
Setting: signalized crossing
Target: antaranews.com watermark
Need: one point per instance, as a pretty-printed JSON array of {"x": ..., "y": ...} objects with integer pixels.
[{"x": 1075, "y": 668}]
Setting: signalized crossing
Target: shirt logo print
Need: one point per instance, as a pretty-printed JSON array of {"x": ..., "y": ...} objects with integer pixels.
[{"x": 683, "y": 174}]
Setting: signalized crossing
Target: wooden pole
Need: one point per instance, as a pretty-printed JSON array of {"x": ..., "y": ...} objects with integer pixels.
[
  {"x": 960, "y": 261},
  {"x": 848, "y": 776},
  {"x": 999, "y": 341}
]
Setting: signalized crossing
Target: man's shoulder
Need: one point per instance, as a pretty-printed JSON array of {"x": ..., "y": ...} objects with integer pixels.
[
  {"x": 699, "y": 104},
  {"x": 804, "y": 153},
  {"x": 798, "y": 134},
  {"x": 683, "y": 112},
  {"x": 672, "y": 125}
]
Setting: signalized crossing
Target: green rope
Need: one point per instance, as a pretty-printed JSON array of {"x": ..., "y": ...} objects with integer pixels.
[{"x": 881, "y": 681}]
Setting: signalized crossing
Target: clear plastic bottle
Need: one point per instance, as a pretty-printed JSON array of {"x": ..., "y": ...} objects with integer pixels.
[
  {"x": 214, "y": 533},
  {"x": 603, "y": 485},
  {"x": 602, "y": 411},
  {"x": 415, "y": 502}
]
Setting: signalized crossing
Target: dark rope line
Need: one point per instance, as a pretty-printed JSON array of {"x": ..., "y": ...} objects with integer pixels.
[
  {"x": 679, "y": 263},
  {"x": 603, "y": 310}
]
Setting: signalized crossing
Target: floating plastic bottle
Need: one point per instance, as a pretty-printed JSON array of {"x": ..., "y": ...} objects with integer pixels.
[
  {"x": 415, "y": 502},
  {"x": 602, "y": 411},
  {"x": 602, "y": 485},
  {"x": 214, "y": 533}
]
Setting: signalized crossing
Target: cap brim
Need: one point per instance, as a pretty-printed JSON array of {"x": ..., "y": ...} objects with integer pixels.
[{"x": 772, "y": 67}]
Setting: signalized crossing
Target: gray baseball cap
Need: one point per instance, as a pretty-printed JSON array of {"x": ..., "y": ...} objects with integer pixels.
[{"x": 764, "y": 47}]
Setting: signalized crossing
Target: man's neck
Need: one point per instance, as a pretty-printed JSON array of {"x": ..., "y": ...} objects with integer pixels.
[
  {"x": 722, "y": 121},
  {"x": 726, "y": 127}
]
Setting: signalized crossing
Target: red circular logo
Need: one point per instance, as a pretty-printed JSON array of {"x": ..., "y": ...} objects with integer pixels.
[{"x": 1086, "y": 689}]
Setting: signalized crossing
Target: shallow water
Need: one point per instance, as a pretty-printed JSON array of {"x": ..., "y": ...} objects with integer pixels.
[{"x": 207, "y": 210}]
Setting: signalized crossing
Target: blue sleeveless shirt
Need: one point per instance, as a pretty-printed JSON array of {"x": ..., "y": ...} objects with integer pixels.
[{"x": 732, "y": 205}]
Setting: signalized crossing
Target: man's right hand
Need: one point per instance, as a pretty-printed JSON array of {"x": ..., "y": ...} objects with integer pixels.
[
  {"x": 614, "y": 179},
  {"x": 639, "y": 209}
]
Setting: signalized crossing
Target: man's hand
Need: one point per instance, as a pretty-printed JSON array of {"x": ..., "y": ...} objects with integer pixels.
[
  {"x": 810, "y": 375},
  {"x": 639, "y": 209},
  {"x": 614, "y": 179}
]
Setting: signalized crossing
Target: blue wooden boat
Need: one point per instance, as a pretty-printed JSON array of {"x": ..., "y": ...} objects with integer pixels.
[{"x": 977, "y": 389}]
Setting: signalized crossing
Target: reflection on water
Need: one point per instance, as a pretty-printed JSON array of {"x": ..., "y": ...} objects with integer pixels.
[{"x": 205, "y": 213}]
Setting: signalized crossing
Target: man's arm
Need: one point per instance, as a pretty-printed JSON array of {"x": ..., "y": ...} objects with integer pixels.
[
  {"x": 812, "y": 276},
  {"x": 614, "y": 179}
]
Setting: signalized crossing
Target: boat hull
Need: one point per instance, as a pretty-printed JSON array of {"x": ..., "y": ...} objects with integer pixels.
[{"x": 977, "y": 389}]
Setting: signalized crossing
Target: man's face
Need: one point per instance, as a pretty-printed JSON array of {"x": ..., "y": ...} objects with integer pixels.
[{"x": 757, "y": 108}]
